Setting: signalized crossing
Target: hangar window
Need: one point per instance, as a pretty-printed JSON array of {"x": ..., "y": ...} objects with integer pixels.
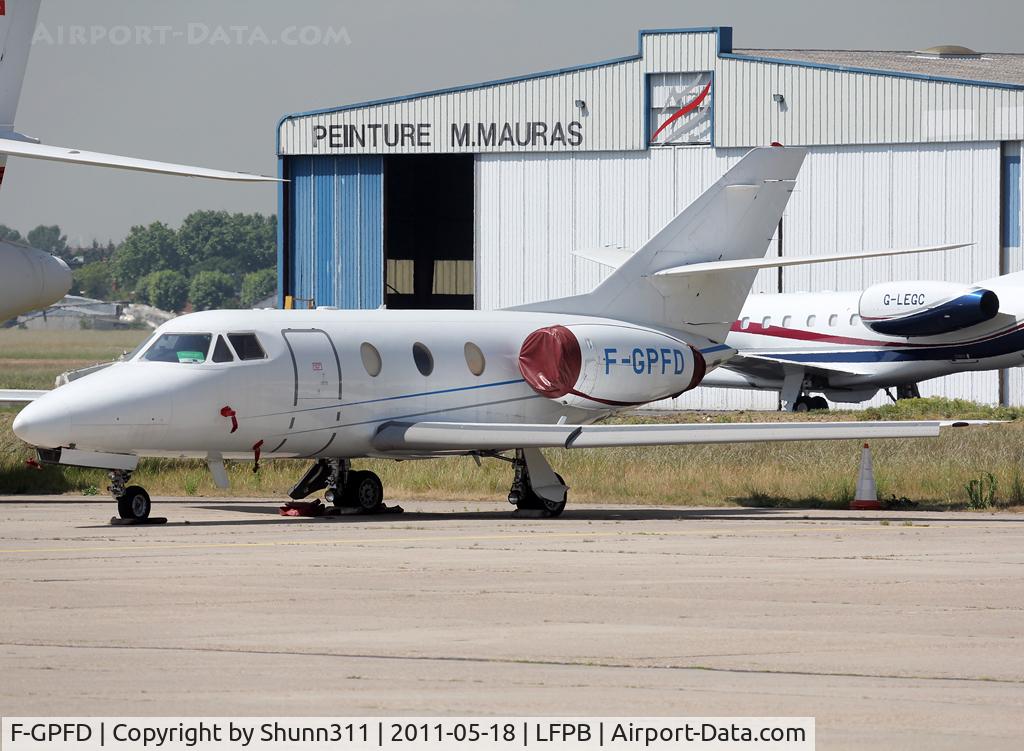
[
  {"x": 745, "y": 323},
  {"x": 767, "y": 322},
  {"x": 187, "y": 348},
  {"x": 221, "y": 351},
  {"x": 424, "y": 360},
  {"x": 247, "y": 346},
  {"x": 474, "y": 359},
  {"x": 371, "y": 358},
  {"x": 680, "y": 108},
  {"x": 833, "y": 320},
  {"x": 811, "y": 320},
  {"x": 786, "y": 321}
]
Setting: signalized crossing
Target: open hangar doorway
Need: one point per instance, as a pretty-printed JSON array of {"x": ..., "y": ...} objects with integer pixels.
[{"x": 428, "y": 231}]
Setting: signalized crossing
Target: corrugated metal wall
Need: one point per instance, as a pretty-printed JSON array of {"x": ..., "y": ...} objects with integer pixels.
[
  {"x": 613, "y": 118},
  {"x": 1015, "y": 262},
  {"x": 825, "y": 107},
  {"x": 334, "y": 244},
  {"x": 822, "y": 106},
  {"x": 532, "y": 211}
]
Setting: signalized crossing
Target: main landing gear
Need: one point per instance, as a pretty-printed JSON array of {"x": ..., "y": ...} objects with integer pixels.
[
  {"x": 535, "y": 486},
  {"x": 806, "y": 403},
  {"x": 342, "y": 486},
  {"x": 133, "y": 501}
]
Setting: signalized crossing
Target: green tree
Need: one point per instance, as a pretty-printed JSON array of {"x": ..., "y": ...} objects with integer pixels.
[
  {"x": 257, "y": 286},
  {"x": 212, "y": 289},
  {"x": 233, "y": 243},
  {"x": 50, "y": 239},
  {"x": 145, "y": 250},
  {"x": 94, "y": 280},
  {"x": 168, "y": 290},
  {"x": 6, "y": 233}
]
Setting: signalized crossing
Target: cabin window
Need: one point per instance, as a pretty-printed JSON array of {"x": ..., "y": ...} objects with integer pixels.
[
  {"x": 247, "y": 346},
  {"x": 371, "y": 359},
  {"x": 766, "y": 322},
  {"x": 833, "y": 320},
  {"x": 423, "y": 359},
  {"x": 811, "y": 320},
  {"x": 854, "y": 319},
  {"x": 186, "y": 348},
  {"x": 221, "y": 351},
  {"x": 786, "y": 321},
  {"x": 745, "y": 323},
  {"x": 474, "y": 359}
]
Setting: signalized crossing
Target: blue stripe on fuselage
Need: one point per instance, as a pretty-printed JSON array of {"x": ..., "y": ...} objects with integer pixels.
[{"x": 1012, "y": 341}]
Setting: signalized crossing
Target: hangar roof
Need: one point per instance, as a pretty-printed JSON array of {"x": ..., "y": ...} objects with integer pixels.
[{"x": 995, "y": 67}]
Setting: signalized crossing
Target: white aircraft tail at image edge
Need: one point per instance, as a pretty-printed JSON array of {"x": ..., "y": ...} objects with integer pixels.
[
  {"x": 17, "y": 26},
  {"x": 245, "y": 385}
]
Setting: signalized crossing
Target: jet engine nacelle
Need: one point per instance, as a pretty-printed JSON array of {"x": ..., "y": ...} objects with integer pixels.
[
  {"x": 597, "y": 366},
  {"x": 925, "y": 308}
]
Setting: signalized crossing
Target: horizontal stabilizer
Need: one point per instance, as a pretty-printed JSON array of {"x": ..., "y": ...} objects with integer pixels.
[
  {"x": 465, "y": 437},
  {"x": 611, "y": 256},
  {"x": 30, "y": 150},
  {"x": 742, "y": 264}
]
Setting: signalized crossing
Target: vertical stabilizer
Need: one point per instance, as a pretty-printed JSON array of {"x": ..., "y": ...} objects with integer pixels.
[
  {"x": 734, "y": 219},
  {"x": 17, "y": 25}
]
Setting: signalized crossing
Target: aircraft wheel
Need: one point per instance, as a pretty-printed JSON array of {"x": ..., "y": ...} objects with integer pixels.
[
  {"x": 818, "y": 403},
  {"x": 532, "y": 501},
  {"x": 134, "y": 503},
  {"x": 364, "y": 490},
  {"x": 334, "y": 496},
  {"x": 802, "y": 404}
]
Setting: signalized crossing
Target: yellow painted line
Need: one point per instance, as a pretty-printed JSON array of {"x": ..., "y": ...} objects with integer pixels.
[{"x": 143, "y": 546}]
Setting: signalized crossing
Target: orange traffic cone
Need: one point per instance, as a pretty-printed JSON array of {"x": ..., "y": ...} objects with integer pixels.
[{"x": 866, "y": 497}]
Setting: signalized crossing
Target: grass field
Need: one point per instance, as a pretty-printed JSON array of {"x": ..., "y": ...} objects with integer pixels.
[{"x": 934, "y": 472}]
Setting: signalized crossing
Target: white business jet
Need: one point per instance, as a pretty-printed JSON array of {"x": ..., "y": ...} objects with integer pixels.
[
  {"x": 31, "y": 279},
  {"x": 337, "y": 385},
  {"x": 893, "y": 335}
]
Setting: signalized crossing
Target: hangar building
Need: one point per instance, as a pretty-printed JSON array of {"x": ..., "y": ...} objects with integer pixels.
[{"x": 475, "y": 196}]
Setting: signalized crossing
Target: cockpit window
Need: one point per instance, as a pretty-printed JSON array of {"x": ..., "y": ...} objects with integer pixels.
[
  {"x": 221, "y": 351},
  {"x": 187, "y": 348},
  {"x": 247, "y": 346}
]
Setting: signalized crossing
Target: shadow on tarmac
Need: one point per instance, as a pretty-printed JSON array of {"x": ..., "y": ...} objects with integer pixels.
[{"x": 267, "y": 514}]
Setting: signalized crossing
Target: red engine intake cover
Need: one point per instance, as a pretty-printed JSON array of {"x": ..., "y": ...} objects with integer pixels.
[{"x": 550, "y": 361}]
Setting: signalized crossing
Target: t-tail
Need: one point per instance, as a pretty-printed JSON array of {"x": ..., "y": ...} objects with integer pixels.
[
  {"x": 733, "y": 220},
  {"x": 17, "y": 26}
]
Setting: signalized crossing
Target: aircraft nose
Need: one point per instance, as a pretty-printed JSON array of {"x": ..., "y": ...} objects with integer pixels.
[{"x": 44, "y": 423}]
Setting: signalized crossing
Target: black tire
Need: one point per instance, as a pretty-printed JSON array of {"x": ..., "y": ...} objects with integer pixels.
[
  {"x": 802, "y": 404},
  {"x": 364, "y": 490},
  {"x": 134, "y": 503},
  {"x": 818, "y": 403},
  {"x": 533, "y": 502}
]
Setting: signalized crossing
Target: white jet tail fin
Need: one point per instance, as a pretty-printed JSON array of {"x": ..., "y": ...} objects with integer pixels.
[
  {"x": 733, "y": 220},
  {"x": 17, "y": 25}
]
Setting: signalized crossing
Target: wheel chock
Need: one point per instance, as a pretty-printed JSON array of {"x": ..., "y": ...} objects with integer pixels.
[{"x": 117, "y": 521}]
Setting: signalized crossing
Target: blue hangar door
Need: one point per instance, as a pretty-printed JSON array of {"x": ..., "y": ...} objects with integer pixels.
[
  {"x": 334, "y": 231},
  {"x": 361, "y": 231}
]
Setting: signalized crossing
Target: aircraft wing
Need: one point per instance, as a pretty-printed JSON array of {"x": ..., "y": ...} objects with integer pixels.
[
  {"x": 60, "y": 154},
  {"x": 772, "y": 368},
  {"x": 13, "y": 397},
  {"x": 465, "y": 437}
]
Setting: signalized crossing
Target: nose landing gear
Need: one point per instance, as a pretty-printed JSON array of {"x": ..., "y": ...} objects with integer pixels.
[{"x": 133, "y": 502}]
